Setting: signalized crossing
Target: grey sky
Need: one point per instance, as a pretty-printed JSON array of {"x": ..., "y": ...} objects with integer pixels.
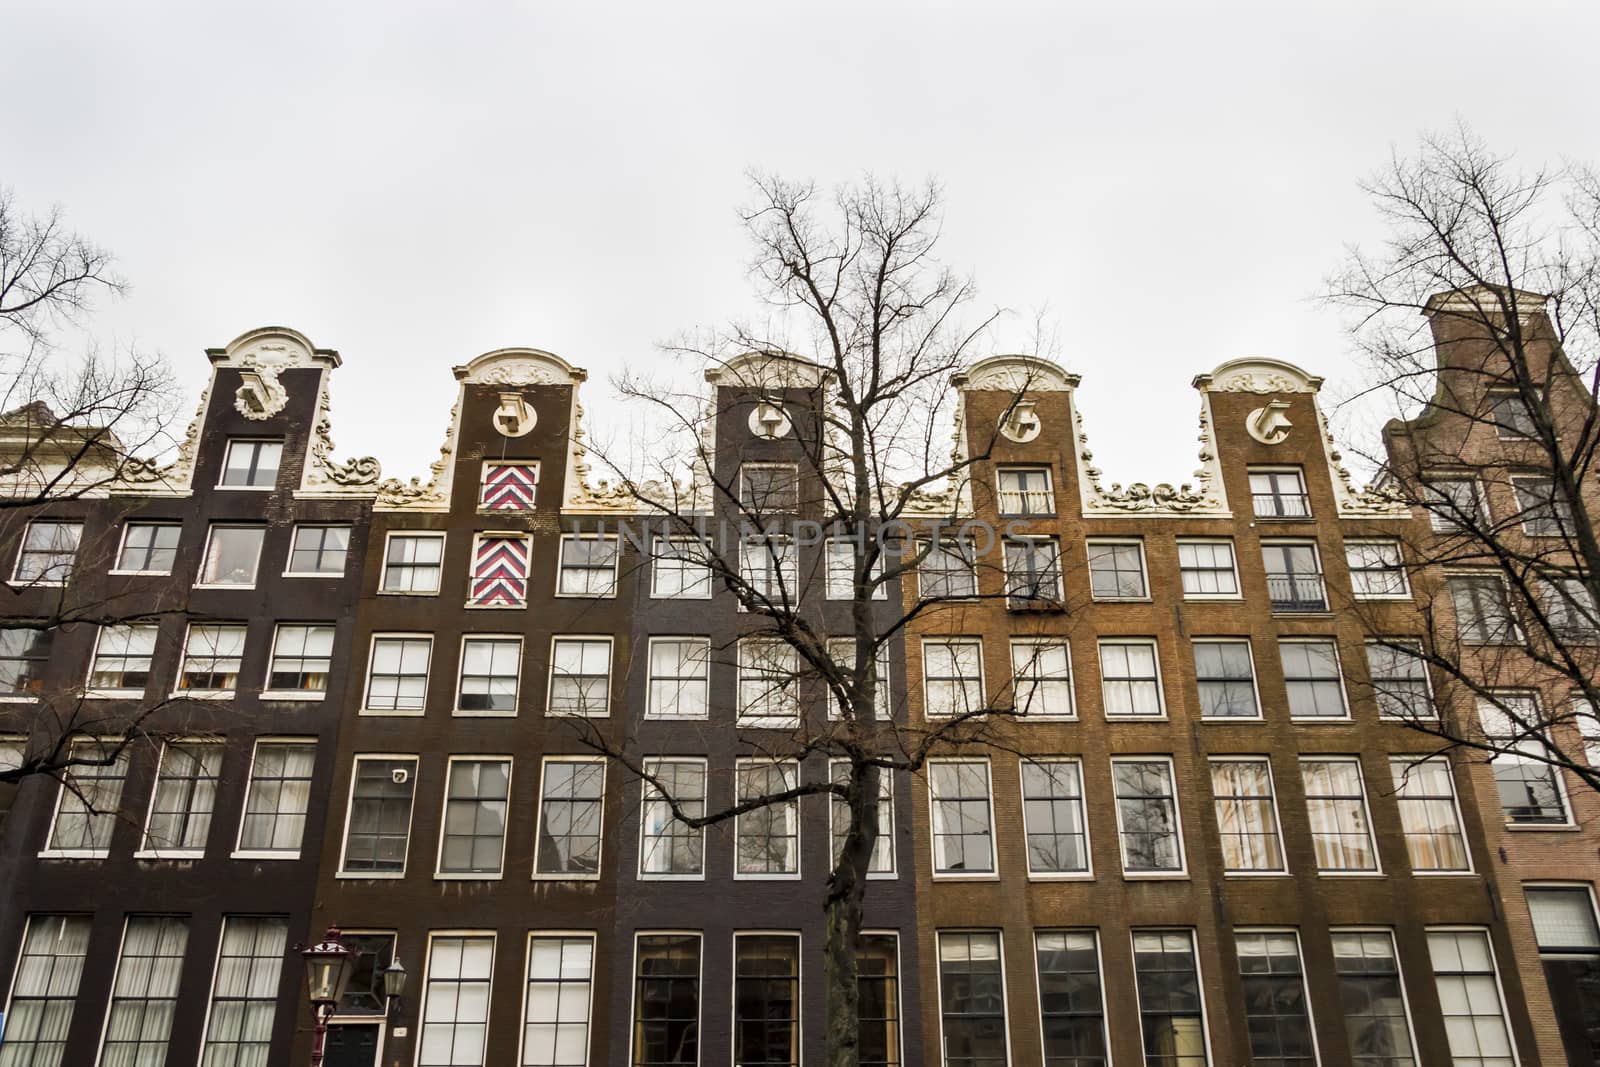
[{"x": 414, "y": 185}]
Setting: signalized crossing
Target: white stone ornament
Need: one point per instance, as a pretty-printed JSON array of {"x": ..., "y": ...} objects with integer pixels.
[
  {"x": 1269, "y": 424},
  {"x": 769, "y": 422},
  {"x": 514, "y": 417},
  {"x": 1021, "y": 423}
]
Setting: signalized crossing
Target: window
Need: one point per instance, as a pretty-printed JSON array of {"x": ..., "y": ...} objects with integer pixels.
[
  {"x": 1167, "y": 980},
  {"x": 490, "y": 667},
  {"x": 765, "y": 488},
  {"x": 580, "y": 676},
  {"x": 122, "y": 655},
  {"x": 1294, "y": 576},
  {"x": 89, "y": 802},
  {"x": 666, "y": 1000},
  {"x": 378, "y": 831},
  {"x": 412, "y": 562},
  {"x": 232, "y": 555},
  {"x": 280, "y": 789},
  {"x": 768, "y": 683},
  {"x": 302, "y": 654},
  {"x": 1279, "y": 494},
  {"x": 454, "y": 1019},
  {"x": 45, "y": 990},
  {"x": 1225, "y": 675},
  {"x": 679, "y": 568},
  {"x": 509, "y": 487},
  {"x": 1275, "y": 1012},
  {"x": 1052, "y": 817},
  {"x": 1426, "y": 796},
  {"x": 211, "y": 658},
  {"x": 1147, "y": 816},
  {"x": 244, "y": 992},
  {"x": 499, "y": 577},
  {"x": 149, "y": 547},
  {"x": 319, "y": 550},
  {"x": 144, "y": 994},
  {"x": 843, "y": 651},
  {"x": 184, "y": 798},
  {"x": 1041, "y": 674},
  {"x": 373, "y": 954},
  {"x": 963, "y": 828},
  {"x": 555, "y": 1016},
  {"x": 878, "y": 1004},
  {"x": 1207, "y": 569},
  {"x": 48, "y": 549},
  {"x": 972, "y": 999},
  {"x": 1513, "y": 419},
  {"x": 1583, "y": 713},
  {"x": 882, "y": 861},
  {"x": 24, "y": 653},
  {"x": 669, "y": 848},
  {"x": 767, "y": 839},
  {"x": 1569, "y": 946},
  {"x": 948, "y": 571},
  {"x": 1545, "y": 510},
  {"x": 1569, "y": 610},
  {"x": 770, "y": 569},
  {"x": 1071, "y": 1003},
  {"x": 472, "y": 841},
  {"x": 252, "y": 464},
  {"x": 1311, "y": 679},
  {"x": 1025, "y": 492},
  {"x": 1130, "y": 680},
  {"x": 766, "y": 999},
  {"x": 571, "y": 809},
  {"x": 588, "y": 566},
  {"x": 1336, "y": 803},
  {"x": 1399, "y": 679},
  {"x": 1377, "y": 570},
  {"x": 1373, "y": 998},
  {"x": 1530, "y": 789},
  {"x": 1247, "y": 816},
  {"x": 1454, "y": 504},
  {"x": 1483, "y": 615},
  {"x": 1469, "y": 998},
  {"x": 1116, "y": 570},
  {"x": 397, "y": 678},
  {"x": 841, "y": 577},
  {"x": 952, "y": 676},
  {"x": 1033, "y": 572},
  {"x": 678, "y": 688}
]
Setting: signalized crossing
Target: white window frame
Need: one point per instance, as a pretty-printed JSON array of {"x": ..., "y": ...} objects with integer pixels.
[
  {"x": 947, "y": 546},
  {"x": 938, "y": 975},
  {"x": 1144, "y": 568},
  {"x": 651, "y": 711},
  {"x": 1338, "y": 677},
  {"x": 145, "y": 851},
  {"x": 1563, "y": 794},
  {"x": 983, "y": 690},
  {"x": 1100, "y": 966},
  {"x": 699, "y": 986},
  {"x": 1085, "y": 875},
  {"x": 1049, "y": 490},
  {"x": 1427, "y": 680},
  {"x": 294, "y": 540},
  {"x": 1305, "y": 977},
  {"x": 461, "y": 662},
  {"x": 993, "y": 873},
  {"x": 1480, "y": 499},
  {"x": 216, "y": 968},
  {"x": 886, "y": 833},
  {"x": 22, "y": 544},
  {"x": 1161, "y": 694},
  {"x": 1455, "y": 806},
  {"x": 1399, "y": 974},
  {"x": 899, "y": 976},
  {"x": 1560, "y": 508},
  {"x": 550, "y": 675},
  {"x": 538, "y": 823},
  {"x": 383, "y": 572},
  {"x": 561, "y": 566},
  {"x": 349, "y": 807},
  {"x": 116, "y": 974},
  {"x": 645, "y": 789},
  {"x": 1305, "y": 491},
  {"x": 793, "y": 468},
  {"x": 748, "y": 654},
  {"x": 790, "y": 769},
  {"x": 526, "y": 540},
  {"x": 492, "y": 936},
  {"x": 1199, "y": 976},
  {"x": 1280, "y": 871},
  {"x": 227, "y": 455},
  {"x": 799, "y": 1031},
  {"x": 1376, "y": 870},
  {"x": 241, "y": 853},
  {"x": 1321, "y": 574},
  {"x": 656, "y": 556},
  {"x": 1233, "y": 560},
  {"x": 1494, "y": 965},
  {"x": 779, "y": 557},
  {"x": 122, "y": 757},
  {"x": 1031, "y": 659},
  {"x": 1404, "y": 592},
  {"x": 179, "y": 693},
  {"x": 1182, "y": 870},
  {"x": 835, "y": 560},
  {"x": 1255, "y": 678},
  {"x": 205, "y": 555},
  {"x": 842, "y": 649},
  {"x": 480, "y": 505},
  {"x": 1495, "y": 395},
  {"x": 1516, "y": 634},
  {"x": 366, "y": 686},
  {"x": 268, "y": 693},
  {"x": 122, "y": 544},
  {"x": 1045, "y": 597},
  {"x": 527, "y": 982},
  {"x": 439, "y": 873},
  {"x": 94, "y": 656}
]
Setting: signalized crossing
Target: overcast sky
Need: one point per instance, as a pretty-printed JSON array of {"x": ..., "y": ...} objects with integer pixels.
[{"x": 417, "y": 184}]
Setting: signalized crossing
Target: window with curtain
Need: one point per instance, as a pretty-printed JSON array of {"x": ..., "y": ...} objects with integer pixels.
[
  {"x": 1336, "y": 803},
  {"x": 44, "y": 991},
  {"x": 244, "y": 991},
  {"x": 878, "y": 986},
  {"x": 144, "y": 994},
  {"x": 669, "y": 847},
  {"x": 1425, "y": 793},
  {"x": 1469, "y": 998},
  {"x": 766, "y": 839},
  {"x": 1275, "y": 1012},
  {"x": 185, "y": 797},
  {"x": 1373, "y": 998},
  {"x": 455, "y": 1002},
  {"x": 278, "y": 794},
  {"x": 1053, "y": 818},
  {"x": 1247, "y": 816},
  {"x": 90, "y": 798},
  {"x": 1167, "y": 980},
  {"x": 1071, "y": 1002},
  {"x": 972, "y": 1006},
  {"x": 555, "y": 1029}
]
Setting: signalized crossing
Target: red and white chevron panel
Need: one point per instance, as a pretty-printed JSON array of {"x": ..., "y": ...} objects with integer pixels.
[
  {"x": 509, "y": 486},
  {"x": 500, "y": 572}
]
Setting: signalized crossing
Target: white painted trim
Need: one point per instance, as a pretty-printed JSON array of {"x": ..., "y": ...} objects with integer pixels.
[
  {"x": 633, "y": 987},
  {"x": 938, "y": 974},
  {"x": 993, "y": 873},
  {"x": 122, "y": 544},
  {"x": 383, "y": 571},
  {"x": 561, "y": 560},
  {"x": 241, "y": 853},
  {"x": 799, "y": 1028},
  {"x": 1338, "y": 677},
  {"x": 349, "y": 805},
  {"x": 1376, "y": 870},
  {"x": 493, "y": 937},
  {"x": 439, "y": 873},
  {"x": 527, "y": 982},
  {"x": 1100, "y": 968},
  {"x": 1199, "y": 975},
  {"x": 538, "y": 823},
  {"x": 1494, "y": 966},
  {"x": 1233, "y": 558},
  {"x": 461, "y": 663},
  {"x": 1255, "y": 678},
  {"x": 205, "y": 555},
  {"x": 788, "y": 765},
  {"x": 1087, "y": 874},
  {"x": 1161, "y": 684},
  {"x": 1182, "y": 870},
  {"x": 1277, "y": 816},
  {"x": 1048, "y": 641},
  {"x": 611, "y": 655},
  {"x": 703, "y": 641},
  {"x": 651, "y": 763},
  {"x": 1144, "y": 569},
  {"x": 950, "y": 639},
  {"x": 427, "y": 677}
]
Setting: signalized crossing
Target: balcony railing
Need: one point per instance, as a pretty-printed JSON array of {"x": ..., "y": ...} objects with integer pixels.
[
  {"x": 1027, "y": 502},
  {"x": 1297, "y": 592},
  {"x": 1281, "y": 505}
]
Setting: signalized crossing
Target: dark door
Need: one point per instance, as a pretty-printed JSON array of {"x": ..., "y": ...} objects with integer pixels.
[{"x": 351, "y": 1045}]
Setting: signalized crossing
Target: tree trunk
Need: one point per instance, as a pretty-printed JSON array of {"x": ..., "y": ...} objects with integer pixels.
[{"x": 847, "y": 887}]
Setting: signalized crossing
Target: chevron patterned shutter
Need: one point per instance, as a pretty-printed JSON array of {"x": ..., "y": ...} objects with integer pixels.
[
  {"x": 500, "y": 572},
  {"x": 509, "y": 486}
]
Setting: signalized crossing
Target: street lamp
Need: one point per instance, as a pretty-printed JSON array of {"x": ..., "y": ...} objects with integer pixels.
[
  {"x": 394, "y": 983},
  {"x": 329, "y": 965}
]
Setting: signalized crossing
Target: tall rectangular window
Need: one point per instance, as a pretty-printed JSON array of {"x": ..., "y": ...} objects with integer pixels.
[
  {"x": 382, "y": 791},
  {"x": 768, "y": 488},
  {"x": 972, "y": 999},
  {"x": 1072, "y": 1007},
  {"x": 1545, "y": 510},
  {"x": 1025, "y": 492},
  {"x": 1377, "y": 570},
  {"x": 1569, "y": 947},
  {"x": 679, "y": 568},
  {"x": 122, "y": 656},
  {"x": 882, "y": 861},
  {"x": 244, "y": 991},
  {"x": 1454, "y": 504},
  {"x": 278, "y": 794},
  {"x": 1530, "y": 788},
  {"x": 1569, "y": 608},
  {"x": 767, "y": 839},
  {"x": 184, "y": 799},
  {"x": 1147, "y": 816},
  {"x": 1426, "y": 796},
  {"x": 770, "y": 569},
  {"x": 1041, "y": 673},
  {"x": 48, "y": 549},
  {"x": 1483, "y": 614},
  {"x": 1247, "y": 815},
  {"x": 90, "y": 799},
  {"x": 149, "y": 547},
  {"x": 878, "y": 1005},
  {"x": 302, "y": 655},
  {"x": 1226, "y": 677},
  {"x": 1311, "y": 678},
  {"x": 571, "y": 811},
  {"x": 1275, "y": 1012},
  {"x": 1399, "y": 679},
  {"x": 840, "y": 555},
  {"x": 1206, "y": 569},
  {"x": 580, "y": 676},
  {"x": 1167, "y": 980},
  {"x": 233, "y": 555},
  {"x": 212, "y": 654},
  {"x": 490, "y": 670},
  {"x": 1373, "y": 998},
  {"x": 144, "y": 994},
  {"x": 843, "y": 651},
  {"x": 947, "y": 571},
  {"x": 766, "y": 999},
  {"x": 1294, "y": 576},
  {"x": 588, "y": 566},
  {"x": 1336, "y": 803},
  {"x": 412, "y": 563},
  {"x": 666, "y": 1000},
  {"x": 455, "y": 1001},
  {"x": 1469, "y": 997},
  {"x": 1052, "y": 817},
  {"x": 1033, "y": 572},
  {"x": 963, "y": 827},
  {"x": 499, "y": 577},
  {"x": 319, "y": 550},
  {"x": 44, "y": 991},
  {"x": 678, "y": 685},
  {"x": 1513, "y": 419},
  {"x": 509, "y": 487},
  {"x": 251, "y": 464},
  {"x": 668, "y": 847},
  {"x": 1130, "y": 679},
  {"x": 768, "y": 683},
  {"x": 952, "y": 676},
  {"x": 555, "y": 1016},
  {"x": 472, "y": 841},
  {"x": 1279, "y": 494},
  {"x": 1116, "y": 570},
  {"x": 24, "y": 654},
  {"x": 397, "y": 677}
]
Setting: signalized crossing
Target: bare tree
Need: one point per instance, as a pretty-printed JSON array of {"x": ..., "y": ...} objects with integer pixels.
[
  {"x": 870, "y": 488},
  {"x": 1479, "y": 317}
]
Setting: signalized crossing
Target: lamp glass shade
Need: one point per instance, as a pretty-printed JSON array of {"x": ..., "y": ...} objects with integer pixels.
[
  {"x": 394, "y": 979},
  {"x": 329, "y": 965}
]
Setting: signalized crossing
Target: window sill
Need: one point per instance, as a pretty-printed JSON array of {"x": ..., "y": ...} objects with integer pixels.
[
  {"x": 240, "y": 586},
  {"x": 470, "y": 605},
  {"x": 585, "y": 596},
  {"x": 465, "y": 876},
  {"x": 392, "y": 713},
  {"x": 556, "y": 713},
  {"x": 245, "y": 488},
  {"x": 9, "y": 699},
  {"x": 677, "y": 596},
  {"x": 1065, "y": 876},
  {"x": 312, "y": 574},
  {"x": 1350, "y": 874},
  {"x": 538, "y": 877},
  {"x": 140, "y": 574},
  {"x": 26, "y": 583},
  {"x": 1229, "y": 720},
  {"x": 649, "y": 717},
  {"x": 297, "y": 696},
  {"x": 1321, "y": 720},
  {"x": 406, "y": 592},
  {"x": 259, "y": 854},
  {"x": 1381, "y": 596},
  {"x": 1137, "y": 718},
  {"x": 1154, "y": 876},
  {"x": 170, "y": 854},
  {"x": 1039, "y": 716},
  {"x": 1223, "y": 598},
  {"x": 74, "y": 854},
  {"x": 113, "y": 694},
  {"x": 766, "y": 724},
  {"x": 383, "y": 876},
  {"x": 1256, "y": 874},
  {"x": 1557, "y": 827},
  {"x": 1444, "y": 874},
  {"x": 975, "y": 876},
  {"x": 795, "y": 877},
  {"x": 1123, "y": 599},
  {"x": 460, "y": 713},
  {"x": 202, "y": 694},
  {"x": 672, "y": 877}
]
